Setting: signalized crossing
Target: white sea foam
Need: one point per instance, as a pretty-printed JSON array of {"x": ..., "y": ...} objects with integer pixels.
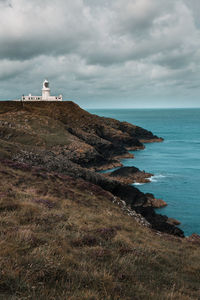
[
  {"x": 156, "y": 178},
  {"x": 137, "y": 183}
]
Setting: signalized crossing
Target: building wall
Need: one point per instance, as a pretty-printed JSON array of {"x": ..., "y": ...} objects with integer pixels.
[
  {"x": 39, "y": 98},
  {"x": 45, "y": 95}
]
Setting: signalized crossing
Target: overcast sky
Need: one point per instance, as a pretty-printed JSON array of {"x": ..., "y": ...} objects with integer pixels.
[{"x": 102, "y": 53}]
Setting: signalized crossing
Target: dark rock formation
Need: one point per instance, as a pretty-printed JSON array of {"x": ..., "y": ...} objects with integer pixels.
[
  {"x": 63, "y": 138},
  {"x": 173, "y": 221},
  {"x": 90, "y": 140},
  {"x": 130, "y": 175},
  {"x": 158, "y": 222},
  {"x": 155, "y": 203}
]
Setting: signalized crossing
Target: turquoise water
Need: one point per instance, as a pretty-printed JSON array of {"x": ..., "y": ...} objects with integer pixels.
[{"x": 175, "y": 162}]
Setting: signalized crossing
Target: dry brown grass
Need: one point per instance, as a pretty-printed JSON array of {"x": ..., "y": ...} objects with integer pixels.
[{"x": 65, "y": 239}]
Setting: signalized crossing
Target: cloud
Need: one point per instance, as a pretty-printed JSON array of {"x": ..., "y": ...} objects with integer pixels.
[
  {"x": 33, "y": 28},
  {"x": 89, "y": 49},
  {"x": 10, "y": 69}
]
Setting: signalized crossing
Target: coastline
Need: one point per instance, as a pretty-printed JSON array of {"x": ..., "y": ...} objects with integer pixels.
[
  {"x": 176, "y": 170},
  {"x": 76, "y": 143},
  {"x": 131, "y": 175},
  {"x": 127, "y": 155},
  {"x": 142, "y": 177},
  {"x": 60, "y": 220},
  {"x": 175, "y": 163}
]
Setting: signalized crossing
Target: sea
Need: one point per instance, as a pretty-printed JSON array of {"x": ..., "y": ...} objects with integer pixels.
[{"x": 175, "y": 162}]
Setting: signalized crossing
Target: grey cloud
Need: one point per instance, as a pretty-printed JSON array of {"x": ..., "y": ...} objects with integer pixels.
[
  {"x": 10, "y": 69},
  {"x": 176, "y": 59},
  {"x": 33, "y": 28},
  {"x": 137, "y": 17},
  {"x": 166, "y": 31},
  {"x": 91, "y": 49},
  {"x": 194, "y": 6}
]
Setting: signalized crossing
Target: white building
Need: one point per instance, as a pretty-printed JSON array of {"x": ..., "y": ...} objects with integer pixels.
[{"x": 45, "y": 95}]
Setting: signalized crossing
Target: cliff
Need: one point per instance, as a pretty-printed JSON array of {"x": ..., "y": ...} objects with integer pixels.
[
  {"x": 66, "y": 129},
  {"x": 68, "y": 231},
  {"x": 62, "y": 137},
  {"x": 66, "y": 238}
]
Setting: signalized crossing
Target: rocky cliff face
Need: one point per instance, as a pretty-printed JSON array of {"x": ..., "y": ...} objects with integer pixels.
[
  {"x": 63, "y": 138},
  {"x": 65, "y": 128}
]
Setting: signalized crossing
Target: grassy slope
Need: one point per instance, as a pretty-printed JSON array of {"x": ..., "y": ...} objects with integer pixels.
[
  {"x": 66, "y": 129},
  {"x": 32, "y": 131},
  {"x": 63, "y": 238},
  {"x": 66, "y": 112},
  {"x": 73, "y": 116}
]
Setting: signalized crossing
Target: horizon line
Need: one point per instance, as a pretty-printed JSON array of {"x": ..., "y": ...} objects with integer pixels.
[{"x": 188, "y": 107}]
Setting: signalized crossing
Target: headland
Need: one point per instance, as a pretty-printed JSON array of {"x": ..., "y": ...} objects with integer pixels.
[
  {"x": 64, "y": 138},
  {"x": 62, "y": 214}
]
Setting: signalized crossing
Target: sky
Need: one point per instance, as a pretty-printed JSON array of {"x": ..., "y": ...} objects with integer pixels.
[{"x": 102, "y": 53}]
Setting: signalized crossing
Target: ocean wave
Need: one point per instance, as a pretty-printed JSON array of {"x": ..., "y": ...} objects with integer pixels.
[
  {"x": 156, "y": 178},
  {"x": 137, "y": 183}
]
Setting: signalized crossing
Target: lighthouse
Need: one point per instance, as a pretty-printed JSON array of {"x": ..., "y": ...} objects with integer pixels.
[
  {"x": 45, "y": 95},
  {"x": 45, "y": 91}
]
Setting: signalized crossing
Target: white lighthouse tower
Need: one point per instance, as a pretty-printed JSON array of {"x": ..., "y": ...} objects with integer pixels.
[
  {"x": 45, "y": 95},
  {"x": 45, "y": 91}
]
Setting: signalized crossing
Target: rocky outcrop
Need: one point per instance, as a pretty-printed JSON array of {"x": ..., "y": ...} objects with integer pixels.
[
  {"x": 155, "y": 203},
  {"x": 130, "y": 175},
  {"x": 157, "y": 221},
  {"x": 90, "y": 141},
  {"x": 60, "y": 164},
  {"x": 63, "y": 138},
  {"x": 173, "y": 221},
  {"x": 137, "y": 200}
]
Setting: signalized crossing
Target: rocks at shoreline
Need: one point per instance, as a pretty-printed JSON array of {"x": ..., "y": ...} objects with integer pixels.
[
  {"x": 129, "y": 175},
  {"x": 153, "y": 202},
  {"x": 88, "y": 140},
  {"x": 63, "y": 138},
  {"x": 173, "y": 221},
  {"x": 157, "y": 221}
]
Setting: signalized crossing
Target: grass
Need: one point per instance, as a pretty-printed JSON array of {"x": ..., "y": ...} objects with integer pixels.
[
  {"x": 62, "y": 238},
  {"x": 30, "y": 130},
  {"x": 26, "y": 129}
]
